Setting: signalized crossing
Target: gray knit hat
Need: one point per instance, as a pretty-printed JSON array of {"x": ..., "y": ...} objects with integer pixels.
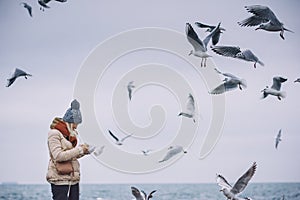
[{"x": 73, "y": 114}]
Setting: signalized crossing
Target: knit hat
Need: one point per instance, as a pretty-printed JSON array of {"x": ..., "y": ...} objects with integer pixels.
[{"x": 73, "y": 114}]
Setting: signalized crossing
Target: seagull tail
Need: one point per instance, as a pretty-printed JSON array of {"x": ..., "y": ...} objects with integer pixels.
[
  {"x": 288, "y": 30},
  {"x": 261, "y": 63},
  {"x": 282, "y": 94}
]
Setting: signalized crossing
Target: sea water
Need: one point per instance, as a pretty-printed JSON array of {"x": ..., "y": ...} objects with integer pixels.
[{"x": 257, "y": 191}]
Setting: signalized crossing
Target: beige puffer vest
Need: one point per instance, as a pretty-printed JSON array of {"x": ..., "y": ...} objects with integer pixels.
[{"x": 60, "y": 149}]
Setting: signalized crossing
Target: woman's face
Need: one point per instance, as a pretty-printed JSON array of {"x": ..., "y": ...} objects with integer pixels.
[{"x": 74, "y": 126}]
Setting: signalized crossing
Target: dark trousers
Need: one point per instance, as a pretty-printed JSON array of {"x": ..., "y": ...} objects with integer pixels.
[{"x": 60, "y": 192}]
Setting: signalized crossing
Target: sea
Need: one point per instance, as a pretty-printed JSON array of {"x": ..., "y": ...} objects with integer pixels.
[{"x": 256, "y": 191}]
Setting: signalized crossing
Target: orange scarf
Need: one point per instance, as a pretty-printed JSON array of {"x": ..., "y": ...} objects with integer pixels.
[{"x": 60, "y": 125}]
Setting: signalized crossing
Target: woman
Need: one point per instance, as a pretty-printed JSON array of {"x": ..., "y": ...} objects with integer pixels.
[{"x": 62, "y": 144}]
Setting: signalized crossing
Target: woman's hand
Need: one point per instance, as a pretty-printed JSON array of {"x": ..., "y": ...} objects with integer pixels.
[{"x": 85, "y": 148}]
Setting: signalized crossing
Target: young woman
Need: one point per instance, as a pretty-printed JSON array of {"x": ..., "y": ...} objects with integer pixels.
[{"x": 64, "y": 152}]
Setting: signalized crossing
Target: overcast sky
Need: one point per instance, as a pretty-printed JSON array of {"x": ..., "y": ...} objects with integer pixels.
[{"x": 53, "y": 46}]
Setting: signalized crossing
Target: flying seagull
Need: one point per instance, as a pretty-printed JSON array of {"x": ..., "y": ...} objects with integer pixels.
[
  {"x": 200, "y": 47},
  {"x": 232, "y": 192},
  {"x": 209, "y": 28},
  {"x": 119, "y": 141},
  {"x": 172, "y": 151},
  {"x": 190, "y": 108},
  {"x": 17, "y": 73},
  {"x": 265, "y": 19},
  {"x": 275, "y": 88},
  {"x": 28, "y": 7},
  {"x": 130, "y": 87},
  {"x": 141, "y": 195},
  {"x": 236, "y": 52},
  {"x": 146, "y": 152},
  {"x": 229, "y": 83},
  {"x": 278, "y": 139}
]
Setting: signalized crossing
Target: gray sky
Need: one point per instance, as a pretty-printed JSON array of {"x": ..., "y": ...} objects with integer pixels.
[{"x": 53, "y": 45}]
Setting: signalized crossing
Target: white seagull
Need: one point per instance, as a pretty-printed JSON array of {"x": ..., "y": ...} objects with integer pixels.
[
  {"x": 28, "y": 7},
  {"x": 229, "y": 83},
  {"x": 130, "y": 87},
  {"x": 119, "y": 141},
  {"x": 190, "y": 108},
  {"x": 172, "y": 151},
  {"x": 17, "y": 73},
  {"x": 236, "y": 52},
  {"x": 278, "y": 139},
  {"x": 232, "y": 192},
  {"x": 141, "y": 195},
  {"x": 209, "y": 28},
  {"x": 275, "y": 88},
  {"x": 200, "y": 47},
  {"x": 264, "y": 18}
]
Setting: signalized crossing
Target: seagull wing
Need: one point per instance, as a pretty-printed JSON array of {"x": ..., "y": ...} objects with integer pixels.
[
  {"x": 263, "y": 12},
  {"x": 190, "y": 106},
  {"x": 150, "y": 195},
  {"x": 222, "y": 182},
  {"x": 193, "y": 38},
  {"x": 18, "y": 72},
  {"x": 124, "y": 138},
  {"x": 172, "y": 152},
  {"x": 229, "y": 51},
  {"x": 201, "y": 25},
  {"x": 29, "y": 8},
  {"x": 226, "y": 86},
  {"x": 10, "y": 81},
  {"x": 117, "y": 139},
  {"x": 278, "y": 138},
  {"x": 242, "y": 182},
  {"x": 207, "y": 38},
  {"x": 277, "y": 82},
  {"x": 252, "y": 21},
  {"x": 226, "y": 74},
  {"x": 136, "y": 193},
  {"x": 216, "y": 37}
]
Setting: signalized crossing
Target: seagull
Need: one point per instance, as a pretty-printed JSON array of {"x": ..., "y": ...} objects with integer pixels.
[
  {"x": 229, "y": 83},
  {"x": 17, "y": 73},
  {"x": 98, "y": 151},
  {"x": 232, "y": 192},
  {"x": 215, "y": 38},
  {"x": 200, "y": 47},
  {"x": 172, "y": 151},
  {"x": 130, "y": 87},
  {"x": 236, "y": 52},
  {"x": 278, "y": 139},
  {"x": 297, "y": 80},
  {"x": 146, "y": 152},
  {"x": 28, "y": 7},
  {"x": 265, "y": 19},
  {"x": 141, "y": 195},
  {"x": 190, "y": 107},
  {"x": 118, "y": 141},
  {"x": 275, "y": 88}
]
